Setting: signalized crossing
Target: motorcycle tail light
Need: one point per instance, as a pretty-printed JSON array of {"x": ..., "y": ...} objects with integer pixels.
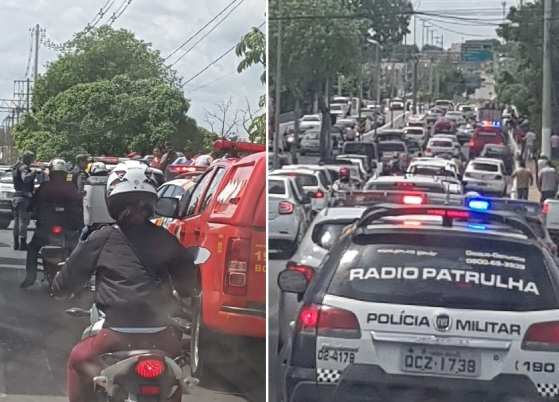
[
  {"x": 150, "y": 390},
  {"x": 56, "y": 230},
  {"x": 236, "y": 271},
  {"x": 150, "y": 368}
]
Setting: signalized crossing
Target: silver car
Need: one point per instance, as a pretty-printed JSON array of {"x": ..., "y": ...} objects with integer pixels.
[
  {"x": 310, "y": 143},
  {"x": 288, "y": 214},
  {"x": 321, "y": 236}
]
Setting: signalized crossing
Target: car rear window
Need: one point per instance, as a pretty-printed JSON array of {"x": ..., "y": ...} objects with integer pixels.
[
  {"x": 276, "y": 187},
  {"x": 469, "y": 273},
  {"x": 445, "y": 144},
  {"x": 383, "y": 147},
  {"x": 427, "y": 171},
  {"x": 488, "y": 167},
  {"x": 406, "y": 186},
  {"x": 304, "y": 179},
  {"x": 312, "y": 135},
  {"x": 414, "y": 132}
]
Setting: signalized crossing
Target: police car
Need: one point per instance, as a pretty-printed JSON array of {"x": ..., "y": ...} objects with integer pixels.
[{"x": 427, "y": 303}]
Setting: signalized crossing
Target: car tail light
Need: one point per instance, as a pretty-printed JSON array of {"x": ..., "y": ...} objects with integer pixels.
[
  {"x": 236, "y": 271},
  {"x": 413, "y": 199},
  {"x": 471, "y": 143},
  {"x": 428, "y": 150},
  {"x": 150, "y": 390},
  {"x": 542, "y": 336},
  {"x": 286, "y": 208},
  {"x": 181, "y": 169},
  {"x": 150, "y": 368},
  {"x": 56, "y": 230},
  {"x": 328, "y": 321},
  {"x": 545, "y": 209},
  {"x": 318, "y": 194},
  {"x": 308, "y": 272}
]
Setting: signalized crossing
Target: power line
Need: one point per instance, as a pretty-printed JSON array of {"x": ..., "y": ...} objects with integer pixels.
[
  {"x": 100, "y": 15},
  {"x": 189, "y": 39},
  {"x": 215, "y": 61},
  {"x": 125, "y": 4},
  {"x": 207, "y": 33},
  {"x": 451, "y": 30}
]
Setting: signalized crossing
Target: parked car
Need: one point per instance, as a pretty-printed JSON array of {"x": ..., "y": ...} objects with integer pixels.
[
  {"x": 7, "y": 193},
  {"x": 310, "y": 143}
]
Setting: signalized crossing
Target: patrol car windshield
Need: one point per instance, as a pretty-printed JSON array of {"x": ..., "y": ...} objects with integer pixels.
[{"x": 428, "y": 270}]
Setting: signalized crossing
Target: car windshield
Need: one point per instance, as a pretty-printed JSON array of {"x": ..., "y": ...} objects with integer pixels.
[
  {"x": 429, "y": 171},
  {"x": 312, "y": 135},
  {"x": 487, "y": 167},
  {"x": 304, "y": 179},
  {"x": 427, "y": 270},
  {"x": 311, "y": 118}
]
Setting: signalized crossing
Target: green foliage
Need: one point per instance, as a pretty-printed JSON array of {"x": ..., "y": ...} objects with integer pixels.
[
  {"x": 253, "y": 48},
  {"x": 451, "y": 81},
  {"x": 388, "y": 20},
  {"x": 109, "y": 94}
]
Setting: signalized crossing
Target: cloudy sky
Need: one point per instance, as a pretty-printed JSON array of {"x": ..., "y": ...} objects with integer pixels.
[
  {"x": 164, "y": 23},
  {"x": 455, "y": 31}
]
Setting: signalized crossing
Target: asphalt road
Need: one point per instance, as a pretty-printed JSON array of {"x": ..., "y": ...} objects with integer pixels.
[
  {"x": 274, "y": 268},
  {"x": 36, "y": 337}
]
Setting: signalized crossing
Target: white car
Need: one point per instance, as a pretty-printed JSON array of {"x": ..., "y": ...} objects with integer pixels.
[
  {"x": 417, "y": 120},
  {"x": 310, "y": 121},
  {"x": 446, "y": 171},
  {"x": 486, "y": 176},
  {"x": 7, "y": 193},
  {"x": 396, "y": 104},
  {"x": 313, "y": 183},
  {"x": 288, "y": 214},
  {"x": 427, "y": 305},
  {"x": 441, "y": 145},
  {"x": 327, "y": 177},
  {"x": 416, "y": 134}
]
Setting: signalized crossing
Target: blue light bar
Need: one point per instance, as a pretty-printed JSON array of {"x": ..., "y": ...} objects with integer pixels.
[{"x": 479, "y": 205}]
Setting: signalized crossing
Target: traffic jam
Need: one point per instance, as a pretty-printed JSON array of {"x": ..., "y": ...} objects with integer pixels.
[{"x": 410, "y": 264}]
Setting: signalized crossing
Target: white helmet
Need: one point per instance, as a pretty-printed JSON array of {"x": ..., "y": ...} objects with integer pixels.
[
  {"x": 98, "y": 169},
  {"x": 58, "y": 165},
  {"x": 130, "y": 182},
  {"x": 203, "y": 161}
]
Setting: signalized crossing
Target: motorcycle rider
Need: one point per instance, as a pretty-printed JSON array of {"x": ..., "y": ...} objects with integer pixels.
[
  {"x": 133, "y": 262},
  {"x": 343, "y": 183},
  {"x": 57, "y": 191},
  {"x": 24, "y": 184}
]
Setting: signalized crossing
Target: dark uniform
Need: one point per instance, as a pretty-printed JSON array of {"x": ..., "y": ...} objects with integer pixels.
[
  {"x": 24, "y": 183},
  {"x": 58, "y": 191}
]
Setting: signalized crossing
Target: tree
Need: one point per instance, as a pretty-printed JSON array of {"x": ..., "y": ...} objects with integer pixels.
[
  {"x": 109, "y": 94},
  {"x": 224, "y": 121},
  {"x": 253, "y": 48}
]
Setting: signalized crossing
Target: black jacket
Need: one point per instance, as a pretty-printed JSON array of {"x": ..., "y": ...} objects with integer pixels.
[
  {"x": 24, "y": 179},
  {"x": 130, "y": 294},
  {"x": 59, "y": 191}
]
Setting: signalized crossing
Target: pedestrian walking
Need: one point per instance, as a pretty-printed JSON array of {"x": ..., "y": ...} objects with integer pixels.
[
  {"x": 530, "y": 145},
  {"x": 554, "y": 146},
  {"x": 24, "y": 184},
  {"x": 524, "y": 180},
  {"x": 548, "y": 181}
]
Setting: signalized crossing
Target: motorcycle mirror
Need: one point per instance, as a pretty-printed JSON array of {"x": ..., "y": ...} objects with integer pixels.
[
  {"x": 200, "y": 254},
  {"x": 77, "y": 312}
]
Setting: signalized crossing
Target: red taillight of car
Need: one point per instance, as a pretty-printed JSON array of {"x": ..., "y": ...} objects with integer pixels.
[
  {"x": 449, "y": 214},
  {"x": 471, "y": 143},
  {"x": 308, "y": 272},
  {"x": 236, "y": 269},
  {"x": 318, "y": 194},
  {"x": 413, "y": 199},
  {"x": 545, "y": 209},
  {"x": 150, "y": 390},
  {"x": 428, "y": 150},
  {"x": 150, "y": 368},
  {"x": 286, "y": 208},
  {"x": 542, "y": 336},
  {"x": 56, "y": 230},
  {"x": 328, "y": 321}
]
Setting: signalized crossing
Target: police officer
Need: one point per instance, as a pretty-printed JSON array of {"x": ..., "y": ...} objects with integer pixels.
[
  {"x": 24, "y": 182},
  {"x": 79, "y": 173},
  {"x": 59, "y": 190}
]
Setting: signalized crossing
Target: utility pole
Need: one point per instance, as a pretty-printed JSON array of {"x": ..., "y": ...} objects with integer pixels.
[
  {"x": 36, "y": 65},
  {"x": 28, "y": 95},
  {"x": 415, "y": 61},
  {"x": 275, "y": 160},
  {"x": 547, "y": 80}
]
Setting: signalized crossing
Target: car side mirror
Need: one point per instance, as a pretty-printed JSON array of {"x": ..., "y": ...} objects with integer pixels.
[
  {"x": 292, "y": 282},
  {"x": 167, "y": 207}
]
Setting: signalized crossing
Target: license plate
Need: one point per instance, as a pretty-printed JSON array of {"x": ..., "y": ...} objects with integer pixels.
[{"x": 427, "y": 360}]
